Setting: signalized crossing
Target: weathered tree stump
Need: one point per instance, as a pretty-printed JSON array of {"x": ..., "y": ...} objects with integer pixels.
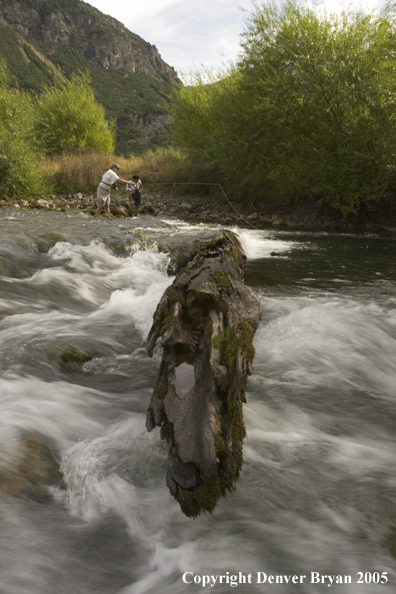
[{"x": 206, "y": 320}]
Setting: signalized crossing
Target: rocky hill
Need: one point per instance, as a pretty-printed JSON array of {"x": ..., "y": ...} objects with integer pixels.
[{"x": 41, "y": 37}]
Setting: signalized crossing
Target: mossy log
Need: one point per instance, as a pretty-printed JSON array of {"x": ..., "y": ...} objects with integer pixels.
[{"x": 206, "y": 320}]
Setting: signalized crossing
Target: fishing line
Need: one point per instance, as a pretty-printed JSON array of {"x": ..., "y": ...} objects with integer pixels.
[{"x": 202, "y": 184}]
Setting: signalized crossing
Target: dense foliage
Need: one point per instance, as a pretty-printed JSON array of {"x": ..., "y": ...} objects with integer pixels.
[
  {"x": 69, "y": 118},
  {"x": 308, "y": 111},
  {"x": 64, "y": 118},
  {"x": 20, "y": 176}
]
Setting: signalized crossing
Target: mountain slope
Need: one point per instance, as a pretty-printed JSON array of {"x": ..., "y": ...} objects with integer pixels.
[{"x": 41, "y": 37}]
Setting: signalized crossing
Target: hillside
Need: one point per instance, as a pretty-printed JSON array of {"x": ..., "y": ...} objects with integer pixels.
[{"x": 133, "y": 83}]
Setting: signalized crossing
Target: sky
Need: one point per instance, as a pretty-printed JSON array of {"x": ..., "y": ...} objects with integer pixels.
[{"x": 195, "y": 34}]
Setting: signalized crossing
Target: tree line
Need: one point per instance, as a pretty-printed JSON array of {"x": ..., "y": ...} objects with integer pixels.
[{"x": 308, "y": 111}]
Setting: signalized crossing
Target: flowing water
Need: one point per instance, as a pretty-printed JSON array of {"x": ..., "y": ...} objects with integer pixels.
[{"x": 317, "y": 492}]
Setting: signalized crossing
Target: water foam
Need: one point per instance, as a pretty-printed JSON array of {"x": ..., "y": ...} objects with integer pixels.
[{"x": 59, "y": 411}]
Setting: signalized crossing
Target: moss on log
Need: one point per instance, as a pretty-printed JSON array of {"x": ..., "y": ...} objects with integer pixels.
[{"x": 206, "y": 321}]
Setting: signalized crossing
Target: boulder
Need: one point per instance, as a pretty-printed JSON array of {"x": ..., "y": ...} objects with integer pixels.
[
  {"x": 119, "y": 210},
  {"x": 147, "y": 208},
  {"x": 68, "y": 358},
  {"x": 41, "y": 203},
  {"x": 27, "y": 468},
  {"x": 186, "y": 206}
]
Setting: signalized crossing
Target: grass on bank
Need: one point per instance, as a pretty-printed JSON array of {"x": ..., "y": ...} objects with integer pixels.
[{"x": 72, "y": 173}]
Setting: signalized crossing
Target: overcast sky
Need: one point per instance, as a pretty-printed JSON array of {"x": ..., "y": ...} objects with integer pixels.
[{"x": 191, "y": 33}]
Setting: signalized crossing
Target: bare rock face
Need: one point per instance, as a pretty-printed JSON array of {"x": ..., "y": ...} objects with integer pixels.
[
  {"x": 98, "y": 37},
  {"x": 206, "y": 320}
]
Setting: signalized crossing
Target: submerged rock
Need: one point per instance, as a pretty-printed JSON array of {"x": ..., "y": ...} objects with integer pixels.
[
  {"x": 68, "y": 358},
  {"x": 206, "y": 320},
  {"x": 28, "y": 470}
]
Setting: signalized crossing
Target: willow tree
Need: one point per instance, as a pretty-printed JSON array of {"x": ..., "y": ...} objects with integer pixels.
[
  {"x": 69, "y": 118},
  {"x": 195, "y": 123},
  {"x": 20, "y": 174},
  {"x": 309, "y": 109},
  {"x": 320, "y": 103}
]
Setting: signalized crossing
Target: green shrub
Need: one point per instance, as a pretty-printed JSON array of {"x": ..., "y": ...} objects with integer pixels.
[
  {"x": 320, "y": 90},
  {"x": 308, "y": 112},
  {"x": 20, "y": 174},
  {"x": 70, "y": 119}
]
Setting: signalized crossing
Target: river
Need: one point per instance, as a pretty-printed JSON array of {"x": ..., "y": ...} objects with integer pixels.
[{"x": 315, "y": 507}]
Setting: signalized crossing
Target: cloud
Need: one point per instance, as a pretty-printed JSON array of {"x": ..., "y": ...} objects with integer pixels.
[
  {"x": 337, "y": 6},
  {"x": 124, "y": 10},
  {"x": 190, "y": 33},
  {"x": 185, "y": 32}
]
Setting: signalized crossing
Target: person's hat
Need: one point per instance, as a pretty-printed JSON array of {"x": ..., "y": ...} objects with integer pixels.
[{"x": 115, "y": 165}]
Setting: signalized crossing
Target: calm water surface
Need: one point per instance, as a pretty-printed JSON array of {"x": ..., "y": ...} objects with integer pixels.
[{"x": 317, "y": 491}]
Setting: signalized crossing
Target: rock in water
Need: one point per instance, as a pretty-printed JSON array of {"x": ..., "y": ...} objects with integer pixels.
[
  {"x": 206, "y": 320},
  {"x": 119, "y": 210},
  {"x": 27, "y": 468},
  {"x": 68, "y": 358}
]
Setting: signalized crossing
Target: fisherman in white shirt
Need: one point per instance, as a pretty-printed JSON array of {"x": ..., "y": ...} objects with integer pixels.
[{"x": 109, "y": 180}]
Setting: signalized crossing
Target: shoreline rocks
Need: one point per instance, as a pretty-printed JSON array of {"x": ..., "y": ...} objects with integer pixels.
[{"x": 207, "y": 210}]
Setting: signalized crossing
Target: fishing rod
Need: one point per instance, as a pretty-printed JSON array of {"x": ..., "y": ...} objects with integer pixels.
[{"x": 203, "y": 184}]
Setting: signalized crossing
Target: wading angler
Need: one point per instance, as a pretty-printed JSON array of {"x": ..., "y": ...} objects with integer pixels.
[{"x": 107, "y": 183}]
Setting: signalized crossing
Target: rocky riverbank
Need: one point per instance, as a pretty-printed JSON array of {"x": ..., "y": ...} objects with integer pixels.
[{"x": 206, "y": 209}]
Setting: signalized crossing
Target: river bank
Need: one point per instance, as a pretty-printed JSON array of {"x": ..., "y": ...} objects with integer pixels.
[{"x": 207, "y": 209}]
